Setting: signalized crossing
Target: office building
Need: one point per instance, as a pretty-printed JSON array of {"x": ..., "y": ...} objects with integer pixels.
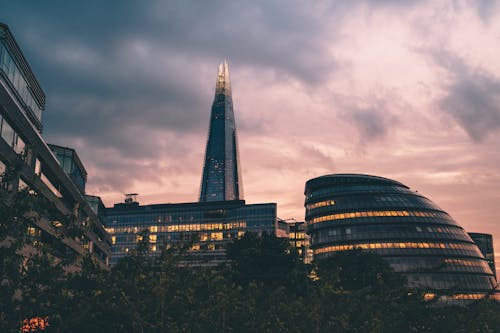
[
  {"x": 71, "y": 164},
  {"x": 485, "y": 244},
  {"x": 30, "y": 163},
  {"x": 203, "y": 227},
  {"x": 296, "y": 232},
  {"x": 415, "y": 236}
]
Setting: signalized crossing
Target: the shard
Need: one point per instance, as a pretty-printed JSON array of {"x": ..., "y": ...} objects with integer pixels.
[{"x": 221, "y": 180}]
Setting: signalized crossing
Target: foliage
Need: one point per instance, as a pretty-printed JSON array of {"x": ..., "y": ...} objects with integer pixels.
[{"x": 263, "y": 288}]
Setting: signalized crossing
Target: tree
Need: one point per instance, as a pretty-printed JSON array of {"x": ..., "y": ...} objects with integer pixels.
[
  {"x": 356, "y": 269},
  {"x": 268, "y": 260}
]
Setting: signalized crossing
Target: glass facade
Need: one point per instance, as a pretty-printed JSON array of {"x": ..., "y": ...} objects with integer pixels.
[
  {"x": 12, "y": 70},
  {"x": 70, "y": 162},
  {"x": 221, "y": 179},
  {"x": 204, "y": 227},
  {"x": 485, "y": 244},
  {"x": 417, "y": 238}
]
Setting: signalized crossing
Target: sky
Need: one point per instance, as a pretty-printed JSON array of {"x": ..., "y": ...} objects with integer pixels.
[{"x": 408, "y": 90}]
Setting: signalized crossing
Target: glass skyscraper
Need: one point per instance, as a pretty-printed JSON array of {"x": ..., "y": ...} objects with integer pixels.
[
  {"x": 219, "y": 217},
  {"x": 221, "y": 179},
  {"x": 415, "y": 236}
]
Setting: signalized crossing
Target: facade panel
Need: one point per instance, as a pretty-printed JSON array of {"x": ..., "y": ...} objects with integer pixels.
[{"x": 485, "y": 244}]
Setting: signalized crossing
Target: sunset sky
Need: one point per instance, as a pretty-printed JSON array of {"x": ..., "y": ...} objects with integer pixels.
[{"x": 408, "y": 90}]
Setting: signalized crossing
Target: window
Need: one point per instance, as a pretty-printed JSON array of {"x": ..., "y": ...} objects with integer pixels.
[{"x": 7, "y": 133}]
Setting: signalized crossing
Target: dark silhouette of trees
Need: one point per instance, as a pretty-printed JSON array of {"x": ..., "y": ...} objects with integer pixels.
[{"x": 263, "y": 287}]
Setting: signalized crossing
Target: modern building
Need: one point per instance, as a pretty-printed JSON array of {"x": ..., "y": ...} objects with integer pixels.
[
  {"x": 296, "y": 232},
  {"x": 219, "y": 217},
  {"x": 203, "y": 227},
  {"x": 485, "y": 244},
  {"x": 71, "y": 164},
  {"x": 221, "y": 179},
  {"x": 30, "y": 163},
  {"x": 415, "y": 236}
]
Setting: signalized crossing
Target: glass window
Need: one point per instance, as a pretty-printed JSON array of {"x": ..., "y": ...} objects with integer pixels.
[
  {"x": 7, "y": 133},
  {"x": 19, "y": 146}
]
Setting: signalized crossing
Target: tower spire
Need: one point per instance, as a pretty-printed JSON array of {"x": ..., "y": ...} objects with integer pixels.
[
  {"x": 223, "y": 84},
  {"x": 221, "y": 178}
]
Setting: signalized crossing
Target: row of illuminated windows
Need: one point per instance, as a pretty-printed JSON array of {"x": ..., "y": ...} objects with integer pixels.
[
  {"x": 297, "y": 235},
  {"x": 320, "y": 204},
  {"x": 154, "y": 248},
  {"x": 12, "y": 72},
  {"x": 470, "y": 296},
  {"x": 203, "y": 237},
  {"x": 390, "y": 245},
  {"x": 387, "y": 213},
  {"x": 180, "y": 227},
  {"x": 463, "y": 296},
  {"x": 465, "y": 262}
]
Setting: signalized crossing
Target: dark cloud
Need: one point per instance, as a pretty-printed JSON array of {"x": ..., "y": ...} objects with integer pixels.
[
  {"x": 370, "y": 123},
  {"x": 472, "y": 96},
  {"x": 372, "y": 115},
  {"x": 118, "y": 76}
]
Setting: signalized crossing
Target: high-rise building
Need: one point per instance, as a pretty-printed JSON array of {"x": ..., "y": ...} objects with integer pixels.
[
  {"x": 415, "y": 236},
  {"x": 218, "y": 218},
  {"x": 485, "y": 243},
  {"x": 221, "y": 179},
  {"x": 29, "y": 162}
]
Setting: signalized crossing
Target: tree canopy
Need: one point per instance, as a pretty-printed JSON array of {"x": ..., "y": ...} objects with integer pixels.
[{"x": 263, "y": 287}]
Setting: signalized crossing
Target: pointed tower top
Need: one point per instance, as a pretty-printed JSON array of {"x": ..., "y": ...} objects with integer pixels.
[
  {"x": 223, "y": 84},
  {"x": 221, "y": 179}
]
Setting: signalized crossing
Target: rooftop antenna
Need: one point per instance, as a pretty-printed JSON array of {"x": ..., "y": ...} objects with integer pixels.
[{"x": 130, "y": 198}]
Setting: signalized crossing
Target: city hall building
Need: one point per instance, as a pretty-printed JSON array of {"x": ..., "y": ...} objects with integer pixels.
[{"x": 416, "y": 237}]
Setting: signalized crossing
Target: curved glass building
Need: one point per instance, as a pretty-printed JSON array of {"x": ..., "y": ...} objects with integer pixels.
[{"x": 416, "y": 237}]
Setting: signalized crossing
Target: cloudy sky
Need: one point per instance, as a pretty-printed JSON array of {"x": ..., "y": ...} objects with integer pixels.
[{"x": 408, "y": 90}]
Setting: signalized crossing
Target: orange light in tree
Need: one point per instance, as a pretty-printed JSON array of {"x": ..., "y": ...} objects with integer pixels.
[{"x": 35, "y": 324}]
